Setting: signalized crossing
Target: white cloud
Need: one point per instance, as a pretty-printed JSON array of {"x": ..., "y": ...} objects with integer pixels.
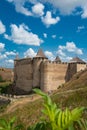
[
  {"x": 80, "y": 28},
  {"x": 66, "y": 58},
  {"x": 38, "y": 9},
  {"x": 2, "y": 28},
  {"x": 53, "y": 36},
  {"x": 10, "y": 53},
  {"x": 49, "y": 55},
  {"x": 66, "y": 52},
  {"x": 84, "y": 14},
  {"x": 45, "y": 35},
  {"x": 48, "y": 20},
  {"x": 30, "y": 53},
  {"x": 22, "y": 35},
  {"x": 71, "y": 47},
  {"x": 79, "y": 51},
  {"x": 2, "y": 46},
  {"x": 2, "y": 56},
  {"x": 19, "y": 7},
  {"x": 67, "y": 7},
  {"x": 61, "y": 53},
  {"x": 61, "y": 47},
  {"x": 10, "y": 61}
]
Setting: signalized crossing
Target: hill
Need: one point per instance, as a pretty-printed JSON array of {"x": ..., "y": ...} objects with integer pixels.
[
  {"x": 28, "y": 109},
  {"x": 6, "y": 74}
]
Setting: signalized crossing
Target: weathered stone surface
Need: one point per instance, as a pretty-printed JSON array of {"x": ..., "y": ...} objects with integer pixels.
[{"x": 41, "y": 73}]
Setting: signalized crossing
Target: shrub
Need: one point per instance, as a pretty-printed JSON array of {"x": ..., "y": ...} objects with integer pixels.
[
  {"x": 55, "y": 118},
  {"x": 9, "y": 125},
  {"x": 1, "y": 79},
  {"x": 58, "y": 119}
]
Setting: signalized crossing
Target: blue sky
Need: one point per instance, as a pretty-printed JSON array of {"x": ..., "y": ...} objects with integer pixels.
[{"x": 59, "y": 27}]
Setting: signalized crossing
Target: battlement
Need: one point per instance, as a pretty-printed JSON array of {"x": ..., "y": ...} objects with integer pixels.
[
  {"x": 48, "y": 62},
  {"x": 23, "y": 61},
  {"x": 40, "y": 72}
]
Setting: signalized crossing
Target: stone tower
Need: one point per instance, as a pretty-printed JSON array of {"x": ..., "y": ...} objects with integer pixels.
[
  {"x": 36, "y": 68},
  {"x": 57, "y": 59}
]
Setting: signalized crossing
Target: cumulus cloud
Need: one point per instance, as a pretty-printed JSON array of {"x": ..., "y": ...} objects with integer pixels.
[
  {"x": 49, "y": 20},
  {"x": 12, "y": 53},
  {"x": 67, "y": 7},
  {"x": 45, "y": 35},
  {"x": 38, "y": 9},
  {"x": 22, "y": 35},
  {"x": 50, "y": 55},
  {"x": 2, "y": 56},
  {"x": 19, "y": 7},
  {"x": 2, "y": 46},
  {"x": 61, "y": 53},
  {"x": 30, "y": 53},
  {"x": 66, "y": 52},
  {"x": 11, "y": 61},
  {"x": 71, "y": 47},
  {"x": 65, "y": 58},
  {"x": 84, "y": 14},
  {"x": 2, "y": 28}
]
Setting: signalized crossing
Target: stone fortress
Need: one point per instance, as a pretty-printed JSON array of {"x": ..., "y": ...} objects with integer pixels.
[{"x": 39, "y": 72}]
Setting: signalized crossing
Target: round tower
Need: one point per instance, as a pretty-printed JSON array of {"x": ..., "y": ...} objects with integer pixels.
[{"x": 36, "y": 68}]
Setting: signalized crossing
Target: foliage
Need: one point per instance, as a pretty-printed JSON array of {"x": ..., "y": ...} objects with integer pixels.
[
  {"x": 83, "y": 124},
  {"x": 4, "y": 87},
  {"x": 9, "y": 125},
  {"x": 43, "y": 125},
  {"x": 55, "y": 118},
  {"x": 58, "y": 119},
  {"x": 1, "y": 79}
]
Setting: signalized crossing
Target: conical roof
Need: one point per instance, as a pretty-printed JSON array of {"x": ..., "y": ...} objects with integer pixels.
[
  {"x": 17, "y": 57},
  {"x": 57, "y": 59},
  {"x": 77, "y": 60},
  {"x": 41, "y": 54}
]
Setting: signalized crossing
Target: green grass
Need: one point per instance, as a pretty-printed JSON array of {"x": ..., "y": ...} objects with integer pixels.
[
  {"x": 4, "y": 86},
  {"x": 30, "y": 113}
]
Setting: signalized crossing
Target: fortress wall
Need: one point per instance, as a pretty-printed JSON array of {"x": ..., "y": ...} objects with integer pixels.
[
  {"x": 52, "y": 75},
  {"x": 81, "y": 67},
  {"x": 24, "y": 76},
  {"x": 36, "y": 72},
  {"x": 71, "y": 70}
]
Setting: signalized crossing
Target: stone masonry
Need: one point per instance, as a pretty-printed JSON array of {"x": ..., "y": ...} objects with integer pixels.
[{"x": 39, "y": 72}]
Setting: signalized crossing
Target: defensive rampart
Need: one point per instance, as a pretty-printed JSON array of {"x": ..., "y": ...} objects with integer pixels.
[{"x": 52, "y": 75}]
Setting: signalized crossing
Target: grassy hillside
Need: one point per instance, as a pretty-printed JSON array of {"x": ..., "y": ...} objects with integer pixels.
[
  {"x": 72, "y": 94},
  {"x": 6, "y": 74}
]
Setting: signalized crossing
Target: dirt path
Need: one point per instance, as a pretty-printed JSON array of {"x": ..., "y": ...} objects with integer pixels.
[{"x": 18, "y": 103}]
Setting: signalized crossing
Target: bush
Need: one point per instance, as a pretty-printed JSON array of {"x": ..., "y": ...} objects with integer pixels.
[
  {"x": 1, "y": 79},
  {"x": 55, "y": 118},
  {"x": 58, "y": 119}
]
